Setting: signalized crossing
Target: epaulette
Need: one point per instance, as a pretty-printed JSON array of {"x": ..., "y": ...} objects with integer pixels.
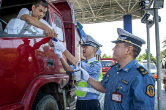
[
  {"x": 113, "y": 65},
  {"x": 142, "y": 70}
]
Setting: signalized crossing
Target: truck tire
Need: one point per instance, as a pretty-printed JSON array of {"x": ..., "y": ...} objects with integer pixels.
[{"x": 44, "y": 102}]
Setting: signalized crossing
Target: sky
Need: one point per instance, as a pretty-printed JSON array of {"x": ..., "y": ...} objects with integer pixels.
[{"x": 106, "y": 32}]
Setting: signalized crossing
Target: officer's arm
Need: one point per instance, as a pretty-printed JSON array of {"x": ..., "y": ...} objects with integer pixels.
[
  {"x": 65, "y": 65},
  {"x": 70, "y": 57},
  {"x": 96, "y": 85},
  {"x": 35, "y": 22}
]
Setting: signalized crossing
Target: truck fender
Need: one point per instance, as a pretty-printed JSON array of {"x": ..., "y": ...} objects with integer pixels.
[{"x": 37, "y": 83}]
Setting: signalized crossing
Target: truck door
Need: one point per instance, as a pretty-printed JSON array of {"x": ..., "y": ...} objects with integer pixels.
[{"x": 57, "y": 23}]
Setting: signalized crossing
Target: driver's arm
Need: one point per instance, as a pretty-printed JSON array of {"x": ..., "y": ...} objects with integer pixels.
[
  {"x": 35, "y": 22},
  {"x": 24, "y": 15}
]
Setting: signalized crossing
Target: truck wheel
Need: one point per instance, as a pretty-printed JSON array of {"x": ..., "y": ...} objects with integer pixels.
[{"x": 44, "y": 102}]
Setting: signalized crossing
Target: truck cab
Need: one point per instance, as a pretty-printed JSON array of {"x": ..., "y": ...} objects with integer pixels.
[
  {"x": 106, "y": 64},
  {"x": 31, "y": 75}
]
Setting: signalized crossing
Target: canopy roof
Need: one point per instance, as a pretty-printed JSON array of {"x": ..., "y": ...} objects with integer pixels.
[{"x": 96, "y": 11}]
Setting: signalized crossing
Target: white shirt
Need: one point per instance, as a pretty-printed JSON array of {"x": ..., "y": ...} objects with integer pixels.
[{"x": 26, "y": 11}]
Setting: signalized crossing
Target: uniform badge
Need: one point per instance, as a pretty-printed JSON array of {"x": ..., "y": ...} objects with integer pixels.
[
  {"x": 108, "y": 75},
  {"x": 150, "y": 91},
  {"x": 125, "y": 82},
  {"x": 92, "y": 65}
]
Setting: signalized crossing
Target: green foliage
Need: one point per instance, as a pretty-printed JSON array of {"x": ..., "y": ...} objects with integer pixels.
[
  {"x": 105, "y": 56},
  {"x": 139, "y": 58},
  {"x": 144, "y": 57},
  {"x": 164, "y": 51},
  {"x": 161, "y": 55},
  {"x": 164, "y": 43}
]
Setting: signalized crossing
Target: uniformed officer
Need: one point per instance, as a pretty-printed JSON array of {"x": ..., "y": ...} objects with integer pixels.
[
  {"x": 127, "y": 85},
  {"x": 85, "y": 100}
]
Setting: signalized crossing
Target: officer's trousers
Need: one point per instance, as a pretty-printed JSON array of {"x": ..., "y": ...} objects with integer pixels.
[{"x": 93, "y": 104}]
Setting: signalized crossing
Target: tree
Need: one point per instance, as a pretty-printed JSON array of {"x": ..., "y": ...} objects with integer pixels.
[
  {"x": 144, "y": 57},
  {"x": 162, "y": 54},
  {"x": 139, "y": 58},
  {"x": 105, "y": 56},
  {"x": 164, "y": 43}
]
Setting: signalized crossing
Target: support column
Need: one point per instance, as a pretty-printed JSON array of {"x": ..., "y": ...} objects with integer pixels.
[
  {"x": 127, "y": 21},
  {"x": 156, "y": 18},
  {"x": 148, "y": 47}
]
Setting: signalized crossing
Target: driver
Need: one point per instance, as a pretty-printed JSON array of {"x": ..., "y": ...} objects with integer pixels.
[{"x": 33, "y": 20}]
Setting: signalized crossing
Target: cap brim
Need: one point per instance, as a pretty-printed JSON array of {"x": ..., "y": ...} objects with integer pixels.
[
  {"x": 86, "y": 45},
  {"x": 116, "y": 41}
]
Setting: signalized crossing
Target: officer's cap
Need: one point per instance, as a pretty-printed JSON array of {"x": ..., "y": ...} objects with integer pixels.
[
  {"x": 125, "y": 36},
  {"x": 91, "y": 42}
]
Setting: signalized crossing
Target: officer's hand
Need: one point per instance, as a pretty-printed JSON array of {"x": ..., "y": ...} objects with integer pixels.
[
  {"x": 84, "y": 75},
  {"x": 59, "y": 46},
  {"x": 57, "y": 52},
  {"x": 51, "y": 43}
]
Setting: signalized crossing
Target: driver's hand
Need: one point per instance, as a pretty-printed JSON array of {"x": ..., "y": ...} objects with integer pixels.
[{"x": 50, "y": 32}]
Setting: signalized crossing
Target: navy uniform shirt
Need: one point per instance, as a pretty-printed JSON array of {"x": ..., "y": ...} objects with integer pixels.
[
  {"x": 93, "y": 69},
  {"x": 135, "y": 85}
]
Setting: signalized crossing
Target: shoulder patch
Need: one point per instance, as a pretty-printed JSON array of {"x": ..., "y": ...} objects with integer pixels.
[
  {"x": 142, "y": 70},
  {"x": 92, "y": 64},
  {"x": 150, "y": 91}
]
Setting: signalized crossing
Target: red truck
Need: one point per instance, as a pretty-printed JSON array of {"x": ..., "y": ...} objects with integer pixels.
[
  {"x": 106, "y": 64},
  {"x": 31, "y": 75}
]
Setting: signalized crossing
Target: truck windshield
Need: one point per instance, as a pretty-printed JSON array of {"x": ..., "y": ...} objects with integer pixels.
[
  {"x": 152, "y": 66},
  {"x": 107, "y": 63}
]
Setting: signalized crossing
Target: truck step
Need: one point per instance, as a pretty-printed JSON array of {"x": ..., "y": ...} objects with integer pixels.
[
  {"x": 72, "y": 92},
  {"x": 72, "y": 106}
]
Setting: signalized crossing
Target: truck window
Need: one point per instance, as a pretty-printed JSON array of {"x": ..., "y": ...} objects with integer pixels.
[
  {"x": 10, "y": 11},
  {"x": 59, "y": 27},
  {"x": 107, "y": 63}
]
